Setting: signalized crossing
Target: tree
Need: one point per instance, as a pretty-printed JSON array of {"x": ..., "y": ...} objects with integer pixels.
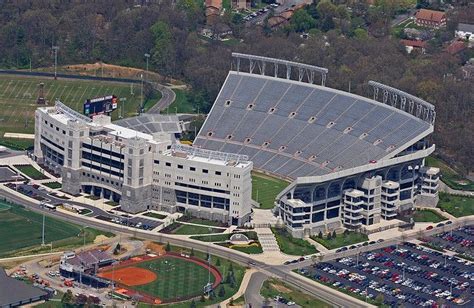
[
  {"x": 68, "y": 298},
  {"x": 334, "y": 234},
  {"x": 168, "y": 247},
  {"x": 329, "y": 236},
  {"x": 379, "y": 299},
  {"x": 218, "y": 262},
  {"x": 192, "y": 252},
  {"x": 320, "y": 234},
  {"x": 163, "y": 52},
  {"x": 302, "y": 21},
  {"x": 193, "y": 304},
  {"x": 221, "y": 291}
]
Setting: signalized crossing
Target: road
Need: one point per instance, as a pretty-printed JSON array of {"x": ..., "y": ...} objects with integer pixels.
[
  {"x": 167, "y": 98},
  {"x": 279, "y": 272},
  {"x": 252, "y": 293},
  {"x": 287, "y": 4}
]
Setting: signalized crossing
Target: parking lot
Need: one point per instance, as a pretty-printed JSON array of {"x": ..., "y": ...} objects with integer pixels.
[
  {"x": 136, "y": 222},
  {"x": 407, "y": 274},
  {"x": 460, "y": 241}
]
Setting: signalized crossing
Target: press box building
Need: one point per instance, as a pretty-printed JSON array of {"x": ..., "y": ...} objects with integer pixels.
[{"x": 140, "y": 170}]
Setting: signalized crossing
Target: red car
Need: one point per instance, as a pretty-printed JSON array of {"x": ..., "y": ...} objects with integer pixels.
[{"x": 429, "y": 227}]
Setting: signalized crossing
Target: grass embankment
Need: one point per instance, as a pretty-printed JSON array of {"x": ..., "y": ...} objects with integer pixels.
[
  {"x": 53, "y": 185},
  {"x": 265, "y": 189},
  {"x": 291, "y": 245},
  {"x": 343, "y": 239},
  {"x": 155, "y": 215},
  {"x": 455, "y": 205},
  {"x": 181, "y": 104},
  {"x": 427, "y": 216},
  {"x": 183, "y": 229},
  {"x": 17, "y": 144},
  {"x": 273, "y": 287}
]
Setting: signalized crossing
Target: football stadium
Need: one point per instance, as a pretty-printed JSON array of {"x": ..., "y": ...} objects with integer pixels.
[{"x": 353, "y": 162}]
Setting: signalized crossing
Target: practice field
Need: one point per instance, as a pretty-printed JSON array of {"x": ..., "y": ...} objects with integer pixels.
[
  {"x": 175, "y": 278},
  {"x": 18, "y": 96},
  {"x": 265, "y": 189},
  {"x": 20, "y": 231}
]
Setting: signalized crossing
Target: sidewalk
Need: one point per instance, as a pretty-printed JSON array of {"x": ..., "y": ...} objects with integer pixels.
[
  {"x": 241, "y": 291},
  {"x": 318, "y": 246}
]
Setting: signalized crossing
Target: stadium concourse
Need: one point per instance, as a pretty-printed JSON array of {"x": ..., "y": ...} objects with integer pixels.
[{"x": 332, "y": 145}]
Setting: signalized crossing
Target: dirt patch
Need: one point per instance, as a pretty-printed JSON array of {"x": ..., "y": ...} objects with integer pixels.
[
  {"x": 280, "y": 288},
  {"x": 130, "y": 276},
  {"x": 99, "y": 239},
  {"x": 156, "y": 248}
]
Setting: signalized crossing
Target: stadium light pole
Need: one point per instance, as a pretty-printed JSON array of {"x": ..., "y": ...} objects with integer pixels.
[
  {"x": 147, "y": 56},
  {"x": 55, "y": 49},
  {"x": 42, "y": 233},
  {"x": 143, "y": 100}
]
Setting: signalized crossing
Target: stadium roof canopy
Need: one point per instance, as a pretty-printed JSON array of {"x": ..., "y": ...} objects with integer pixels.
[
  {"x": 152, "y": 123},
  {"x": 293, "y": 129}
]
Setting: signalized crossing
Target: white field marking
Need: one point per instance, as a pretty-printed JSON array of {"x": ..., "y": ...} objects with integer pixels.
[
  {"x": 27, "y": 91},
  {"x": 3, "y": 83},
  {"x": 12, "y": 92},
  {"x": 56, "y": 88},
  {"x": 8, "y": 85},
  {"x": 61, "y": 94},
  {"x": 22, "y": 83},
  {"x": 66, "y": 98}
]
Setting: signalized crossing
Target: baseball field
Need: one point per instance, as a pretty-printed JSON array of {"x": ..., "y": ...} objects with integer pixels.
[
  {"x": 20, "y": 232},
  {"x": 168, "y": 278},
  {"x": 18, "y": 96}
]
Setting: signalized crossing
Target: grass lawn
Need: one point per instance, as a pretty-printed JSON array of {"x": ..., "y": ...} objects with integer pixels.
[
  {"x": 31, "y": 172},
  {"x": 201, "y": 221},
  {"x": 427, "y": 216},
  {"x": 181, "y": 104},
  {"x": 18, "y": 98},
  {"x": 177, "y": 278},
  {"x": 17, "y": 144},
  {"x": 223, "y": 237},
  {"x": 456, "y": 205},
  {"x": 265, "y": 189},
  {"x": 342, "y": 239},
  {"x": 291, "y": 245},
  {"x": 155, "y": 215},
  {"x": 273, "y": 287},
  {"x": 183, "y": 229},
  {"x": 20, "y": 232},
  {"x": 112, "y": 203},
  {"x": 251, "y": 249},
  {"x": 450, "y": 176},
  {"x": 53, "y": 185}
]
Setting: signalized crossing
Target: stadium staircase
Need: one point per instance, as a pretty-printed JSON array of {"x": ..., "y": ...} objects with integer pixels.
[{"x": 267, "y": 239}]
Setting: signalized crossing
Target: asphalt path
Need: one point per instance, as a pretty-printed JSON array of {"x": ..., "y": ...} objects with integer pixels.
[
  {"x": 279, "y": 272},
  {"x": 252, "y": 293},
  {"x": 167, "y": 98}
]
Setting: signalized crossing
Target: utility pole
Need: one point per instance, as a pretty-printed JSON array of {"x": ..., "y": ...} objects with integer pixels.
[
  {"x": 55, "y": 49},
  {"x": 122, "y": 107},
  {"x": 42, "y": 233},
  {"x": 143, "y": 99}
]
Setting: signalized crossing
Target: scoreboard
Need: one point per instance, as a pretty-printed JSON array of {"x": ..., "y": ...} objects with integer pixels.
[{"x": 100, "y": 105}]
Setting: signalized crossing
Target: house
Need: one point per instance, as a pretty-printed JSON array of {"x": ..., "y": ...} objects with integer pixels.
[
  {"x": 468, "y": 70},
  {"x": 430, "y": 18},
  {"x": 213, "y": 9},
  {"x": 455, "y": 47},
  {"x": 411, "y": 45},
  {"x": 241, "y": 4},
  {"x": 465, "y": 32}
]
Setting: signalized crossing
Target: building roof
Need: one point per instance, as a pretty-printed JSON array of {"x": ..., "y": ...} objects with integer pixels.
[
  {"x": 466, "y": 27},
  {"x": 13, "y": 291},
  {"x": 89, "y": 258},
  {"x": 294, "y": 129},
  {"x": 435, "y": 16},
  {"x": 414, "y": 43},
  {"x": 455, "y": 47}
]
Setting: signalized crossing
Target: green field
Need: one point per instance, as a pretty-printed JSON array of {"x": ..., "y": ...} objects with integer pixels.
[
  {"x": 177, "y": 278},
  {"x": 450, "y": 176},
  {"x": 17, "y": 144},
  {"x": 31, "y": 172},
  {"x": 273, "y": 287},
  {"x": 456, "y": 205},
  {"x": 20, "y": 232},
  {"x": 349, "y": 238},
  {"x": 18, "y": 98},
  {"x": 265, "y": 189},
  {"x": 427, "y": 216},
  {"x": 291, "y": 245}
]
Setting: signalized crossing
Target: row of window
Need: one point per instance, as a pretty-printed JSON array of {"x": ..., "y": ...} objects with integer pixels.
[
  {"x": 53, "y": 143},
  {"x": 101, "y": 179},
  {"x": 202, "y": 200},
  {"x": 103, "y": 151},
  {"x": 202, "y": 188},
  {"x": 119, "y": 174},
  {"x": 103, "y": 160}
]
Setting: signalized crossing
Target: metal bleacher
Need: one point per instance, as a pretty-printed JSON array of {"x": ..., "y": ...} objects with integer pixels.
[{"x": 293, "y": 129}]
